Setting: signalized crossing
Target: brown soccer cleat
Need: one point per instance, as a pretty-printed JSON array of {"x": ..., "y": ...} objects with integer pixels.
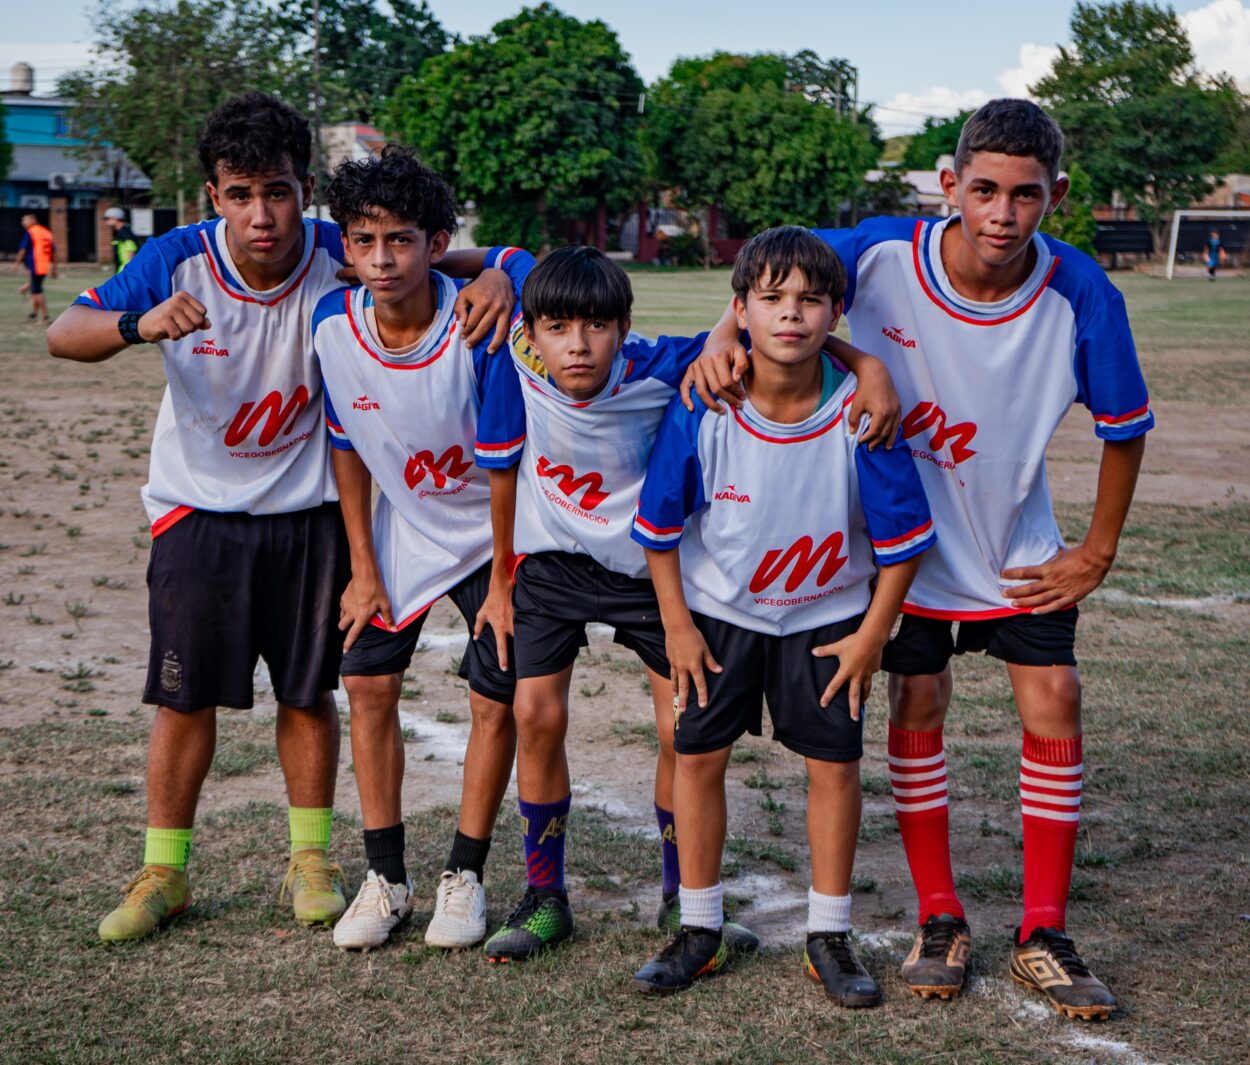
[
  {"x": 1048, "y": 962},
  {"x": 939, "y": 957}
]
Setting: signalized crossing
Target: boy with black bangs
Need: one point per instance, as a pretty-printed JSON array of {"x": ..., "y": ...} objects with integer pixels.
[
  {"x": 404, "y": 397},
  {"x": 992, "y": 330},
  {"x": 783, "y": 523}
]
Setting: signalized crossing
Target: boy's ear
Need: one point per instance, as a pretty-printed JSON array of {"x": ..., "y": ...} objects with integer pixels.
[
  {"x": 306, "y": 190},
  {"x": 213, "y": 198},
  {"x": 949, "y": 181},
  {"x": 438, "y": 245},
  {"x": 626, "y": 325},
  {"x": 740, "y": 311},
  {"x": 347, "y": 250},
  {"x": 1057, "y": 192},
  {"x": 837, "y": 315}
]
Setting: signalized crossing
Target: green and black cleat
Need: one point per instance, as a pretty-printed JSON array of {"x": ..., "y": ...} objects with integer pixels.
[
  {"x": 695, "y": 953},
  {"x": 1048, "y": 962},
  {"x": 738, "y": 938},
  {"x": 538, "y": 923},
  {"x": 831, "y": 961}
]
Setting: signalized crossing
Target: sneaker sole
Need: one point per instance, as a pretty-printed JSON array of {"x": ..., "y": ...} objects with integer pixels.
[
  {"x": 1074, "y": 1013},
  {"x": 848, "y": 1003},
  {"x": 450, "y": 939},
  {"x": 364, "y": 948},
  {"x": 945, "y": 992}
]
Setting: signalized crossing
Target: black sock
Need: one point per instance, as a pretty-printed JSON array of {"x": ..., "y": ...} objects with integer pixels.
[
  {"x": 384, "y": 847},
  {"x": 468, "y": 853}
]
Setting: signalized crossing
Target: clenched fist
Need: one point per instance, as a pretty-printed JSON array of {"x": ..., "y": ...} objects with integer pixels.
[{"x": 179, "y": 316}]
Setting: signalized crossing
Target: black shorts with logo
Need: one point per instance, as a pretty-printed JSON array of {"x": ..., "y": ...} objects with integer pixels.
[
  {"x": 558, "y": 593},
  {"x": 924, "y": 646},
  {"x": 782, "y": 670},
  {"x": 378, "y": 653},
  {"x": 226, "y": 589}
]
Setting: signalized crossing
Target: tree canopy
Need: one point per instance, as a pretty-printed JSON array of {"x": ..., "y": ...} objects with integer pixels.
[
  {"x": 938, "y": 137},
  {"x": 536, "y": 121}
]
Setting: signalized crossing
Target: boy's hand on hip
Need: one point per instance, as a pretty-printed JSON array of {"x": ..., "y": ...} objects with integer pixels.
[
  {"x": 859, "y": 658},
  {"x": 717, "y": 375},
  {"x": 1058, "y": 584},
  {"x": 363, "y": 599},
  {"x": 485, "y": 306},
  {"x": 688, "y": 657},
  {"x": 496, "y": 611}
]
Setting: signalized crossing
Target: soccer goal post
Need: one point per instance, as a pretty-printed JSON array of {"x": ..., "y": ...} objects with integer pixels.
[{"x": 1242, "y": 216}]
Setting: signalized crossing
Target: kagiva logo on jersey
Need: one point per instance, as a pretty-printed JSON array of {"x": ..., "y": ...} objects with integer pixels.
[
  {"x": 730, "y": 494},
  {"x": 803, "y": 555},
  {"x": 209, "y": 347},
  {"x": 895, "y": 333},
  {"x": 365, "y": 403}
]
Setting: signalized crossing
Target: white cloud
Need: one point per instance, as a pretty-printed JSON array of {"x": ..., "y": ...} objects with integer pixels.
[
  {"x": 1035, "y": 61},
  {"x": 911, "y": 108},
  {"x": 1220, "y": 34}
]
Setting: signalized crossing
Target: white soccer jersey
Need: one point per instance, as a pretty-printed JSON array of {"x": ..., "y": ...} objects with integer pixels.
[
  {"x": 584, "y": 462},
  {"x": 239, "y": 428},
  {"x": 414, "y": 421},
  {"x": 778, "y": 525},
  {"x": 984, "y": 386}
]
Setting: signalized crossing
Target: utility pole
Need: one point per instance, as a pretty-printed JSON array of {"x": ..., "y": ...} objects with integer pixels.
[{"x": 318, "y": 169}]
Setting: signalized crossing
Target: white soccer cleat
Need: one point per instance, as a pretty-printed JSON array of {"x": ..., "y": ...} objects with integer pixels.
[
  {"x": 459, "y": 911},
  {"x": 377, "y": 909}
]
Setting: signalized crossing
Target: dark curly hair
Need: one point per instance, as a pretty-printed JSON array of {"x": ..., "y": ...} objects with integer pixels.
[
  {"x": 576, "y": 282},
  {"x": 255, "y": 134},
  {"x": 396, "y": 182},
  {"x": 771, "y": 255}
]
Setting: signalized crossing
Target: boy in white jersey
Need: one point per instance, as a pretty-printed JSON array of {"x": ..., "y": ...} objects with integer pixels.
[
  {"x": 991, "y": 331},
  {"x": 404, "y": 395},
  {"x": 782, "y": 521},
  {"x": 248, "y": 553}
]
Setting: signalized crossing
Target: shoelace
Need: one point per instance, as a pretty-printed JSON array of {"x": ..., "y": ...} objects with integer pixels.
[
  {"x": 145, "y": 883},
  {"x": 526, "y": 908},
  {"x": 375, "y": 894},
  {"x": 1064, "y": 951},
  {"x": 841, "y": 951},
  {"x": 938, "y": 936},
  {"x": 681, "y": 946},
  {"x": 454, "y": 902},
  {"x": 317, "y": 875}
]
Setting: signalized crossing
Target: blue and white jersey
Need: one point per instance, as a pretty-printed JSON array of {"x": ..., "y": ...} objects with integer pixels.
[
  {"x": 239, "y": 428},
  {"x": 584, "y": 462},
  {"x": 781, "y": 527},
  {"x": 983, "y": 388},
  {"x": 427, "y": 423}
]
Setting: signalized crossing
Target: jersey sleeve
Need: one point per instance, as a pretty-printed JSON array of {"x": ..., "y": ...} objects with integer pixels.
[
  {"x": 338, "y": 438},
  {"x": 501, "y": 420},
  {"x": 673, "y": 487},
  {"x": 516, "y": 263},
  {"x": 895, "y": 508},
  {"x": 843, "y": 241},
  {"x": 1108, "y": 376},
  {"x": 331, "y": 304},
  {"x": 146, "y": 282},
  {"x": 666, "y": 358}
]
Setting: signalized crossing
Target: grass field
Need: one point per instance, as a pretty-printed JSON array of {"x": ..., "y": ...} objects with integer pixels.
[{"x": 1161, "y": 888}]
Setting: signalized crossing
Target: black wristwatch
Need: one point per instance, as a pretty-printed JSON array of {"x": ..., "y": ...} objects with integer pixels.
[{"x": 128, "y": 326}]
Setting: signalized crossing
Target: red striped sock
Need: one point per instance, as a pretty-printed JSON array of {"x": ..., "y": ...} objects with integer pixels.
[
  {"x": 918, "y": 777},
  {"x": 1050, "y": 807}
]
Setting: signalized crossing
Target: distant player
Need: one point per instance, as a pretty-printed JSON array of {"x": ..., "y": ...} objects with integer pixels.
[
  {"x": 38, "y": 252},
  {"x": 783, "y": 521},
  {"x": 404, "y": 396},
  {"x": 1214, "y": 253},
  {"x": 992, "y": 330},
  {"x": 125, "y": 247}
]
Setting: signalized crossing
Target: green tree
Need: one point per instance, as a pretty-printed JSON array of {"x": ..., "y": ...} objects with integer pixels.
[
  {"x": 1136, "y": 113},
  {"x": 536, "y": 121},
  {"x": 159, "y": 69},
  {"x": 6, "y": 149},
  {"x": 1074, "y": 220},
  {"x": 937, "y": 137}
]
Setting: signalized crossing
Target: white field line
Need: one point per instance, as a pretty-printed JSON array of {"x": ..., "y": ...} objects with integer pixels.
[{"x": 1115, "y": 595}]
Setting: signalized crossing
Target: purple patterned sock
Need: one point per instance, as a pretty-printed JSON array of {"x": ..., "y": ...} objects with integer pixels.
[
  {"x": 668, "y": 849},
  {"x": 544, "y": 842}
]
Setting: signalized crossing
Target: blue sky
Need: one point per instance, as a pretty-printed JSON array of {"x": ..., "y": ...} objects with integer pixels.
[{"x": 914, "y": 58}]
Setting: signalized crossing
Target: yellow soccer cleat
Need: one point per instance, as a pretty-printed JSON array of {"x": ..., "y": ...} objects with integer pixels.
[
  {"x": 314, "y": 885},
  {"x": 153, "y": 896}
]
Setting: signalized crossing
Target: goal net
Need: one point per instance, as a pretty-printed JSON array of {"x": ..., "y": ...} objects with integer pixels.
[{"x": 1190, "y": 229}]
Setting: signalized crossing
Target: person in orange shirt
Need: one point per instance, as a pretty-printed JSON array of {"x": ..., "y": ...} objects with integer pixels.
[{"x": 40, "y": 255}]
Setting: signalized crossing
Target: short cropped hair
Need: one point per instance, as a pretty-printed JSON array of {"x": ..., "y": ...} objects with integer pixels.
[
  {"x": 577, "y": 282},
  {"x": 396, "y": 182},
  {"x": 255, "y": 134},
  {"x": 1012, "y": 127},
  {"x": 771, "y": 255}
]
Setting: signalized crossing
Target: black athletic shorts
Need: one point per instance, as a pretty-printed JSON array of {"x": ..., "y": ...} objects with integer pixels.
[
  {"x": 378, "y": 653},
  {"x": 225, "y": 589},
  {"x": 36, "y": 283},
  {"x": 783, "y": 670},
  {"x": 924, "y": 645},
  {"x": 558, "y": 593}
]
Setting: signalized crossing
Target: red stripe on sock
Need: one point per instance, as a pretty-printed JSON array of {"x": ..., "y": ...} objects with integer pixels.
[{"x": 1049, "y": 844}]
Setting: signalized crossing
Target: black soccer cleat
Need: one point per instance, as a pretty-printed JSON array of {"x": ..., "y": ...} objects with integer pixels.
[
  {"x": 539, "y": 922},
  {"x": 831, "y": 961},
  {"x": 938, "y": 960},
  {"x": 1048, "y": 962},
  {"x": 695, "y": 953},
  {"x": 738, "y": 938}
]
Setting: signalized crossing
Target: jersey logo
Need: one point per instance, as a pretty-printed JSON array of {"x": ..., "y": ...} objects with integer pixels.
[
  {"x": 730, "y": 494},
  {"x": 452, "y": 464},
  {"x": 279, "y": 417},
  {"x": 895, "y": 333},
  {"x": 805, "y": 555},
  {"x": 365, "y": 403},
  {"x": 569, "y": 483},
  {"x": 929, "y": 415},
  {"x": 209, "y": 347}
]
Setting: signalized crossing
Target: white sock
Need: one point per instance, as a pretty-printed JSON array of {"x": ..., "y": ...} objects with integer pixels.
[
  {"x": 702, "y": 907},
  {"x": 825, "y": 913}
]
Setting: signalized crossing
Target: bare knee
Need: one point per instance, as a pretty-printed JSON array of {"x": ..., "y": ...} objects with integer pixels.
[
  {"x": 919, "y": 703},
  {"x": 372, "y": 697},
  {"x": 539, "y": 722},
  {"x": 707, "y": 768},
  {"x": 490, "y": 717}
]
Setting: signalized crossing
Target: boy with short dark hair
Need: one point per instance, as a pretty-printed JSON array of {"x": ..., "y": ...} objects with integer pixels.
[
  {"x": 992, "y": 330},
  {"x": 782, "y": 522},
  {"x": 405, "y": 395}
]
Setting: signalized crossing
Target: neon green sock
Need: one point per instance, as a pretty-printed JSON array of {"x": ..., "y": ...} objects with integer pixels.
[
  {"x": 167, "y": 846},
  {"x": 310, "y": 828}
]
